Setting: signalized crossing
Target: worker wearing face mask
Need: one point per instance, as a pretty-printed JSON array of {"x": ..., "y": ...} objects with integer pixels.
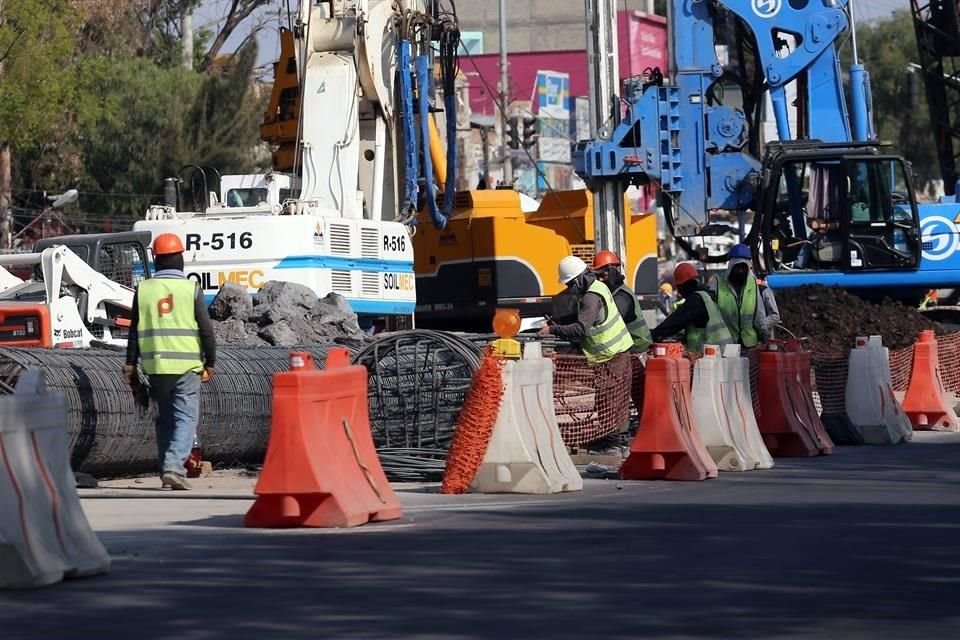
[
  {"x": 748, "y": 309},
  {"x": 606, "y": 266},
  {"x": 599, "y": 328},
  {"x": 698, "y": 318}
]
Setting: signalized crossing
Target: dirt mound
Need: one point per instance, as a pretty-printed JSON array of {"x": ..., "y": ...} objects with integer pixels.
[{"x": 833, "y": 318}]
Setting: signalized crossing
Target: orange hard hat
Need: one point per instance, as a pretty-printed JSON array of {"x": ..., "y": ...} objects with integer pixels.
[
  {"x": 167, "y": 243},
  {"x": 685, "y": 272},
  {"x": 605, "y": 259}
]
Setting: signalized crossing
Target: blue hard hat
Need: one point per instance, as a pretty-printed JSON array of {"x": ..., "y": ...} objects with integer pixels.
[{"x": 740, "y": 251}]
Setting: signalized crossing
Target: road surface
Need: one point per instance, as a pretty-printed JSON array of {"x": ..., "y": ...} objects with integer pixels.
[{"x": 861, "y": 544}]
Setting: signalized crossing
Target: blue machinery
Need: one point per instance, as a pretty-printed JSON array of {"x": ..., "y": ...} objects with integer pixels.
[
  {"x": 414, "y": 112},
  {"x": 828, "y": 205}
]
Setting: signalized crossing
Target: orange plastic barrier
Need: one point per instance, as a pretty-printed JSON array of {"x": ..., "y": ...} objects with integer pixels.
[
  {"x": 667, "y": 445},
  {"x": 321, "y": 468},
  {"x": 926, "y": 403},
  {"x": 782, "y": 414},
  {"x": 798, "y": 362}
]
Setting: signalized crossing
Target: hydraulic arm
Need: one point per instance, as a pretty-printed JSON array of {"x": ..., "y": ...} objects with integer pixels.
[{"x": 704, "y": 153}]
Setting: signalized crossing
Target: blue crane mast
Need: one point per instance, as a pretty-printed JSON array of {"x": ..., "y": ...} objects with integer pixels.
[{"x": 825, "y": 200}]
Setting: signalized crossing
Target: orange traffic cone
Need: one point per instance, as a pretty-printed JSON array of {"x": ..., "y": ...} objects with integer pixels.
[
  {"x": 321, "y": 468},
  {"x": 667, "y": 445},
  {"x": 781, "y": 414},
  {"x": 925, "y": 403}
]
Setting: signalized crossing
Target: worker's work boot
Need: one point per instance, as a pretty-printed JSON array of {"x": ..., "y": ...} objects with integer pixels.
[{"x": 175, "y": 481}]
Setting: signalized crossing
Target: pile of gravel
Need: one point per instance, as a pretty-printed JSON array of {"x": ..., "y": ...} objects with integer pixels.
[{"x": 282, "y": 314}]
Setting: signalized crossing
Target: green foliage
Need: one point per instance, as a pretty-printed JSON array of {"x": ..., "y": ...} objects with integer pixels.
[
  {"x": 37, "y": 40},
  {"x": 886, "y": 48},
  {"x": 149, "y": 121},
  {"x": 84, "y": 105},
  {"x": 134, "y": 117}
]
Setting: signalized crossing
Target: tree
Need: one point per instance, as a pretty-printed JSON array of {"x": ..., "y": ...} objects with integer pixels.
[
  {"x": 37, "y": 42},
  {"x": 161, "y": 22},
  {"x": 886, "y": 48},
  {"x": 87, "y": 102},
  {"x": 142, "y": 122}
]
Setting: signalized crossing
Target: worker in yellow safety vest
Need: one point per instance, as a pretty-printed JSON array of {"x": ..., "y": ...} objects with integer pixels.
[
  {"x": 697, "y": 318},
  {"x": 599, "y": 329},
  {"x": 172, "y": 336},
  {"x": 606, "y": 266},
  {"x": 749, "y": 309}
]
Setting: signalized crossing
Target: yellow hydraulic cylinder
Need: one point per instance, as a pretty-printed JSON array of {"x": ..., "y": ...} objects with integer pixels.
[{"x": 437, "y": 155}]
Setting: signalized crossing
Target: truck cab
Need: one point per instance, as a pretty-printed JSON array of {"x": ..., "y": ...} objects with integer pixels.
[{"x": 252, "y": 192}]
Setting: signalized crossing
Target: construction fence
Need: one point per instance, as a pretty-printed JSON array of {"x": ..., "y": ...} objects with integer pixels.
[{"x": 594, "y": 402}]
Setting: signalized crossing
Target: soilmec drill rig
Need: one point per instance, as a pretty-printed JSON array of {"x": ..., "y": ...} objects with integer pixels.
[
  {"x": 476, "y": 250},
  {"x": 828, "y": 204}
]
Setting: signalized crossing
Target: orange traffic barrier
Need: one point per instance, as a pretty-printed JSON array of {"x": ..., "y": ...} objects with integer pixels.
[
  {"x": 321, "y": 468},
  {"x": 798, "y": 364},
  {"x": 780, "y": 414},
  {"x": 667, "y": 445},
  {"x": 926, "y": 403}
]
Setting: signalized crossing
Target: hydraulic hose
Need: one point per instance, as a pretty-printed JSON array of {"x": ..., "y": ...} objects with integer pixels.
[
  {"x": 412, "y": 169},
  {"x": 422, "y": 66}
]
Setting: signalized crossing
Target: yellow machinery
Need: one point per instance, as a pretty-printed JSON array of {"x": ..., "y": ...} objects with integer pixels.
[
  {"x": 491, "y": 254},
  {"x": 280, "y": 122}
]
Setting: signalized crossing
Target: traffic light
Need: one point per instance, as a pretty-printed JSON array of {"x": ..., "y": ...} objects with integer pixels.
[
  {"x": 513, "y": 133},
  {"x": 531, "y": 131}
]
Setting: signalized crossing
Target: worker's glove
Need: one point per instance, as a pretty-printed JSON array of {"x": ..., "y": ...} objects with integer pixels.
[
  {"x": 130, "y": 376},
  {"x": 207, "y": 374}
]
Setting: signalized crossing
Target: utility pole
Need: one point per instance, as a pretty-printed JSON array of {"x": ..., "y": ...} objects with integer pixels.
[
  {"x": 504, "y": 96},
  {"x": 6, "y": 198},
  {"x": 6, "y": 183},
  {"x": 602, "y": 50},
  {"x": 186, "y": 39}
]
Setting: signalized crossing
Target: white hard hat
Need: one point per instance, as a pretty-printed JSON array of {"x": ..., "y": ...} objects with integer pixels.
[{"x": 570, "y": 267}]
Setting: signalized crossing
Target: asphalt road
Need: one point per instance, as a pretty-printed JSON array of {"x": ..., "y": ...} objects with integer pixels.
[{"x": 861, "y": 544}]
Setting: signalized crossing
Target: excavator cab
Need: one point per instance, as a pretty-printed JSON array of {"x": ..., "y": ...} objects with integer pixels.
[{"x": 849, "y": 209}]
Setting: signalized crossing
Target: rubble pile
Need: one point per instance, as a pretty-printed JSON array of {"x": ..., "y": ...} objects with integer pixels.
[
  {"x": 832, "y": 318},
  {"x": 282, "y": 314}
]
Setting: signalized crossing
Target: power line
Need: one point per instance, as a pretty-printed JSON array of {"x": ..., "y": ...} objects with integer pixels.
[
  {"x": 111, "y": 194},
  {"x": 536, "y": 166}
]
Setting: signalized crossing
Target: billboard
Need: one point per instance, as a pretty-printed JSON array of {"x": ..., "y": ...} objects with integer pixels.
[
  {"x": 553, "y": 109},
  {"x": 580, "y": 122}
]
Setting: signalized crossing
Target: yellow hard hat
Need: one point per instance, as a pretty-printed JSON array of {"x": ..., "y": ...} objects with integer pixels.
[{"x": 666, "y": 287}]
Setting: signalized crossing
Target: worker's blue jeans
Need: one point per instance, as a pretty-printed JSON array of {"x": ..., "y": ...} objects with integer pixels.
[{"x": 178, "y": 405}]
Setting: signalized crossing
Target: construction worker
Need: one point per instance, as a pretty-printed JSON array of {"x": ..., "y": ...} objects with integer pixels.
[
  {"x": 749, "y": 309},
  {"x": 606, "y": 266},
  {"x": 665, "y": 301},
  {"x": 599, "y": 328},
  {"x": 171, "y": 334},
  {"x": 698, "y": 317}
]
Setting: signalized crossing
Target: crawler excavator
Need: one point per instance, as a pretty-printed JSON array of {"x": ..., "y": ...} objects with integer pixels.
[{"x": 829, "y": 203}]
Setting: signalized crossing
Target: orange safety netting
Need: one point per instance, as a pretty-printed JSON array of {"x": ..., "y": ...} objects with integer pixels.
[
  {"x": 638, "y": 381},
  {"x": 830, "y": 372},
  {"x": 591, "y": 402},
  {"x": 594, "y": 402},
  {"x": 474, "y": 426}
]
